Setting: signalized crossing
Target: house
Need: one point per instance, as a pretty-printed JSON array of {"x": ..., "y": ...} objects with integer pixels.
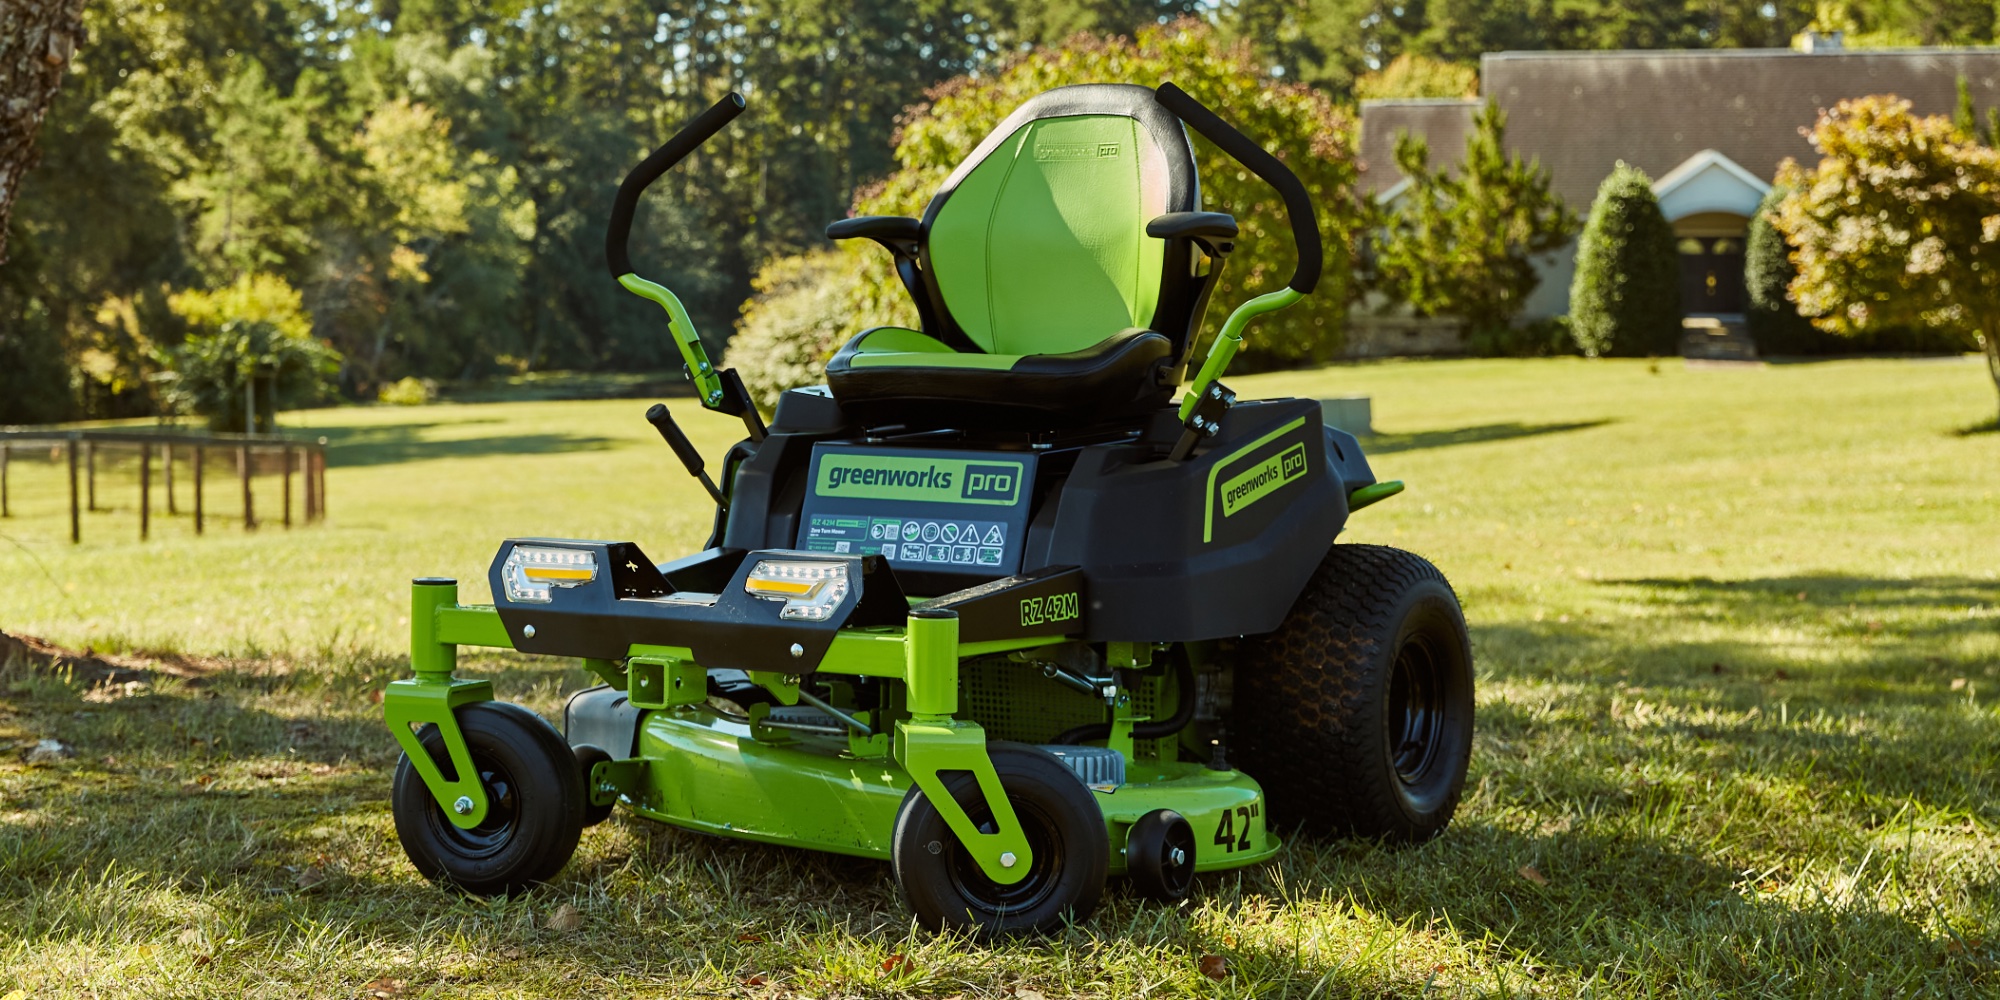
[{"x": 1709, "y": 126}]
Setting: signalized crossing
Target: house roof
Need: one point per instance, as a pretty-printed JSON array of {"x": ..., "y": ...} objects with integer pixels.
[
  {"x": 1579, "y": 113},
  {"x": 1444, "y": 122}
]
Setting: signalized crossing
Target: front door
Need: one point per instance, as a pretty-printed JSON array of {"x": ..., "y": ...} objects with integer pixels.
[{"x": 1711, "y": 274}]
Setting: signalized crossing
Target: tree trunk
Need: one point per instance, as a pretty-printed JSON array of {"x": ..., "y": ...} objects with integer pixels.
[
  {"x": 37, "y": 40},
  {"x": 1991, "y": 343}
]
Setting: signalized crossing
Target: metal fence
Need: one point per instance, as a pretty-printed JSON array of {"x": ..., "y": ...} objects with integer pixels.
[{"x": 79, "y": 451}]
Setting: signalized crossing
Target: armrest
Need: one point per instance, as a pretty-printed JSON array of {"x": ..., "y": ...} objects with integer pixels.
[
  {"x": 1192, "y": 225},
  {"x": 881, "y": 228}
]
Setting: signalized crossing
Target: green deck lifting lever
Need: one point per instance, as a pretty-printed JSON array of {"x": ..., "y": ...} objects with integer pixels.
[{"x": 722, "y": 390}]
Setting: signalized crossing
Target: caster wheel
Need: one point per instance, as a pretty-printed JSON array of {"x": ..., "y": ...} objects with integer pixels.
[
  {"x": 1356, "y": 714},
  {"x": 535, "y": 812},
  {"x": 587, "y": 757},
  {"x": 1159, "y": 856},
  {"x": 1065, "y": 832}
]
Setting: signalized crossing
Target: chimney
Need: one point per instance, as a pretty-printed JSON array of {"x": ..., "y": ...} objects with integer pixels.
[{"x": 1815, "y": 42}]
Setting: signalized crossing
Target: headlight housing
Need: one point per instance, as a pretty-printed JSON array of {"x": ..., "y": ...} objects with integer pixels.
[
  {"x": 810, "y": 590},
  {"x": 532, "y": 571}
]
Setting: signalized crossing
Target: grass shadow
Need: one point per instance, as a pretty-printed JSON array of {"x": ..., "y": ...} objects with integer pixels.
[
  {"x": 350, "y": 447},
  {"x": 1383, "y": 444},
  {"x": 1971, "y": 430}
]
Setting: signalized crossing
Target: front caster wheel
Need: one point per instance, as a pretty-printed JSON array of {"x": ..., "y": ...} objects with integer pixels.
[
  {"x": 1159, "y": 855},
  {"x": 1065, "y": 833},
  {"x": 535, "y": 811}
]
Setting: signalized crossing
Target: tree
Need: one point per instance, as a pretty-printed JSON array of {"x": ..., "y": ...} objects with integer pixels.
[
  {"x": 39, "y": 38},
  {"x": 1625, "y": 298},
  {"x": 1410, "y": 75},
  {"x": 1300, "y": 125},
  {"x": 249, "y": 340},
  {"x": 1461, "y": 241},
  {"x": 1897, "y": 225}
]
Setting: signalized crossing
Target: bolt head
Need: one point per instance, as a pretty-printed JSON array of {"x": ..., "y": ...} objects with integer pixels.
[
  {"x": 797, "y": 651},
  {"x": 1007, "y": 859},
  {"x": 1178, "y": 856},
  {"x": 463, "y": 806},
  {"x": 528, "y": 630}
]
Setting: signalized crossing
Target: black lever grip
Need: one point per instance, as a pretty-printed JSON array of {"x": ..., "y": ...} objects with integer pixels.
[
  {"x": 677, "y": 439},
  {"x": 1298, "y": 204},
  {"x": 676, "y": 149}
]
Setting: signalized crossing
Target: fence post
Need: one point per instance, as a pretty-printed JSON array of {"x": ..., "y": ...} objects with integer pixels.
[
  {"x": 145, "y": 490},
  {"x": 167, "y": 466},
  {"x": 75, "y": 518},
  {"x": 287, "y": 457},
  {"x": 320, "y": 489},
  {"x": 200, "y": 459},
  {"x": 6, "y": 457},
  {"x": 90, "y": 473},
  {"x": 243, "y": 471}
]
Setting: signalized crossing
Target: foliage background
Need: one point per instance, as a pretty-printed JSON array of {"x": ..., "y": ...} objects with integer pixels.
[{"x": 1626, "y": 298}]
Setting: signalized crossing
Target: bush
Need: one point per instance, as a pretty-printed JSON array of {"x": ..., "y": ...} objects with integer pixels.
[
  {"x": 1541, "y": 338},
  {"x": 804, "y": 308},
  {"x": 1626, "y": 297},
  {"x": 409, "y": 391},
  {"x": 251, "y": 338},
  {"x": 1774, "y": 320}
]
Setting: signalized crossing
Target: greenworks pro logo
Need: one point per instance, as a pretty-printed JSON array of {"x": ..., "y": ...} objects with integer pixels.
[
  {"x": 1260, "y": 480},
  {"x": 1053, "y": 608},
  {"x": 924, "y": 480}
]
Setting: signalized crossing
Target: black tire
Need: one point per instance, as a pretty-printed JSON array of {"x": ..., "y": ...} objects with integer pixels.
[
  {"x": 536, "y": 804},
  {"x": 1066, "y": 837},
  {"x": 1356, "y": 714},
  {"x": 1159, "y": 856},
  {"x": 587, "y": 757}
]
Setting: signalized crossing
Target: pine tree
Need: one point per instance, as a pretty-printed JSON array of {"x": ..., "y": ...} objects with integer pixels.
[{"x": 1625, "y": 299}]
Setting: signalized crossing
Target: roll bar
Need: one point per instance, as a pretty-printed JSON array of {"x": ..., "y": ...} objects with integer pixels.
[
  {"x": 1259, "y": 161},
  {"x": 676, "y": 149},
  {"x": 720, "y": 391}
]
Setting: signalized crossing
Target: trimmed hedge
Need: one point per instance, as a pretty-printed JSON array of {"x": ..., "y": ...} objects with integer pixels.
[{"x": 1626, "y": 297}]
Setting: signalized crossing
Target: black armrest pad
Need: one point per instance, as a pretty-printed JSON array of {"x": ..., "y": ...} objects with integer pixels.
[
  {"x": 1188, "y": 225},
  {"x": 875, "y": 227}
]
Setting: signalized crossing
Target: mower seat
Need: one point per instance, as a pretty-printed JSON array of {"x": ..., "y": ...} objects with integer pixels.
[
  {"x": 916, "y": 378},
  {"x": 1057, "y": 274}
]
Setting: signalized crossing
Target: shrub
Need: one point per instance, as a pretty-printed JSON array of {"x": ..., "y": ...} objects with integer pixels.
[
  {"x": 409, "y": 391},
  {"x": 803, "y": 309},
  {"x": 1626, "y": 298},
  {"x": 1775, "y": 323},
  {"x": 251, "y": 338}
]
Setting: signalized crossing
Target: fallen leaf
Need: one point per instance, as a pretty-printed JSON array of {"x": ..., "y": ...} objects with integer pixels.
[
  {"x": 375, "y": 697},
  {"x": 383, "y": 987},
  {"x": 1781, "y": 675},
  {"x": 1027, "y": 994},
  {"x": 1958, "y": 684},
  {"x": 749, "y": 938},
  {"x": 309, "y": 876},
  {"x": 565, "y": 919},
  {"x": 1532, "y": 874},
  {"x": 1874, "y": 626},
  {"x": 898, "y": 962},
  {"x": 1717, "y": 668},
  {"x": 50, "y": 751},
  {"x": 189, "y": 936},
  {"x": 1802, "y": 595},
  {"x": 754, "y": 979},
  {"x": 1215, "y": 966},
  {"x": 201, "y": 960}
]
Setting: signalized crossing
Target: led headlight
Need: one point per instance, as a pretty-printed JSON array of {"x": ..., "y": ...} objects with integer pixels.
[
  {"x": 532, "y": 570},
  {"x": 810, "y": 590}
]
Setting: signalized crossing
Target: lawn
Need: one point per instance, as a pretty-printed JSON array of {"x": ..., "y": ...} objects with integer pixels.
[{"x": 1738, "y": 636}]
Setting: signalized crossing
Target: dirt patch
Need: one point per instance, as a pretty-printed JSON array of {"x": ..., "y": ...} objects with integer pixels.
[{"x": 95, "y": 669}]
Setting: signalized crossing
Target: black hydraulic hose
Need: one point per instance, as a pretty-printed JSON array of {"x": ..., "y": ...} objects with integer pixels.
[
  {"x": 676, "y": 149},
  {"x": 1183, "y": 713},
  {"x": 1298, "y": 204}
]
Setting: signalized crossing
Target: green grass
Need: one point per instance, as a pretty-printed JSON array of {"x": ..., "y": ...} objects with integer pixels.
[{"x": 1738, "y": 635}]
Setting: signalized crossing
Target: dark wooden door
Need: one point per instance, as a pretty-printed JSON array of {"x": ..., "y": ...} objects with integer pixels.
[{"x": 1711, "y": 274}]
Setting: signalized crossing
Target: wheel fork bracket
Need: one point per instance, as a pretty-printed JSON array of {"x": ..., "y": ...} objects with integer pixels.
[{"x": 433, "y": 696}]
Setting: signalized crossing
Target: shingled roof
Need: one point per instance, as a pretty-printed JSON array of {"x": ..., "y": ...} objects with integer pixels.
[
  {"x": 1582, "y": 112},
  {"x": 1444, "y": 122},
  {"x": 1579, "y": 113}
]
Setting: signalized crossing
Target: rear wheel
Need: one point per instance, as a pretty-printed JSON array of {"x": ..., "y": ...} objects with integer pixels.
[
  {"x": 1066, "y": 838},
  {"x": 535, "y": 804},
  {"x": 1356, "y": 714}
]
